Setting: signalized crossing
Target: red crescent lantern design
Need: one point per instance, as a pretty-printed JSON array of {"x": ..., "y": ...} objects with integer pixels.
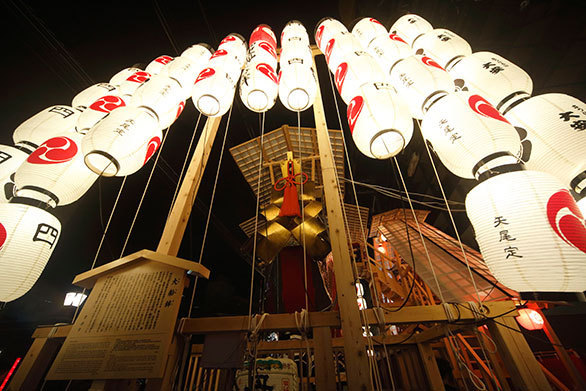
[
  {"x": 566, "y": 219},
  {"x": 482, "y": 107},
  {"x": 268, "y": 48},
  {"x": 229, "y": 38},
  {"x": 219, "y": 53},
  {"x": 395, "y": 37},
  {"x": 268, "y": 71},
  {"x": 208, "y": 72},
  {"x": 152, "y": 148},
  {"x": 318, "y": 35},
  {"x": 341, "y": 72},
  {"x": 329, "y": 48},
  {"x": 354, "y": 109},
  {"x": 428, "y": 61},
  {"x": 3, "y": 235},
  {"x": 107, "y": 103},
  {"x": 139, "y": 77},
  {"x": 164, "y": 59},
  {"x": 54, "y": 151}
]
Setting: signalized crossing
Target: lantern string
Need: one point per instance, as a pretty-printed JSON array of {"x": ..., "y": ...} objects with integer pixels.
[
  {"x": 364, "y": 316},
  {"x": 205, "y": 232},
  {"x": 183, "y": 167},
  {"x": 146, "y": 187}
]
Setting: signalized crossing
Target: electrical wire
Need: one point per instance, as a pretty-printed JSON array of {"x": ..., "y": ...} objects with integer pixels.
[{"x": 164, "y": 25}]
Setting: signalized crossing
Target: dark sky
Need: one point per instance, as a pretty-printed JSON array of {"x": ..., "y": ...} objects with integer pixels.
[{"x": 52, "y": 50}]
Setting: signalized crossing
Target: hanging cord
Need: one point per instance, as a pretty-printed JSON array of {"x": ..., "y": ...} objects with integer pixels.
[
  {"x": 144, "y": 191},
  {"x": 374, "y": 372},
  {"x": 205, "y": 232},
  {"x": 376, "y": 294},
  {"x": 184, "y": 166}
]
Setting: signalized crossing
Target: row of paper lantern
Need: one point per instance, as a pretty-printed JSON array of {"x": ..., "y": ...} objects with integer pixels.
[{"x": 475, "y": 108}]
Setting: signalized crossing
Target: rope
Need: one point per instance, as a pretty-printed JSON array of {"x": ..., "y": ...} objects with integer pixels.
[
  {"x": 205, "y": 232},
  {"x": 144, "y": 192}
]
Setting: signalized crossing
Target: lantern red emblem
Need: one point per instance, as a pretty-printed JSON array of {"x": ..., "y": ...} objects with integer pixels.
[
  {"x": 54, "y": 151},
  {"x": 566, "y": 219},
  {"x": 482, "y": 107},
  {"x": 268, "y": 71},
  {"x": 219, "y": 53},
  {"x": 268, "y": 48},
  {"x": 319, "y": 34},
  {"x": 107, "y": 103},
  {"x": 428, "y": 61},
  {"x": 354, "y": 109},
  {"x": 373, "y": 20},
  {"x": 229, "y": 38},
  {"x": 139, "y": 77},
  {"x": 3, "y": 235},
  {"x": 329, "y": 48},
  {"x": 395, "y": 37},
  {"x": 204, "y": 74},
  {"x": 164, "y": 59},
  {"x": 341, "y": 72},
  {"x": 180, "y": 109},
  {"x": 152, "y": 148}
]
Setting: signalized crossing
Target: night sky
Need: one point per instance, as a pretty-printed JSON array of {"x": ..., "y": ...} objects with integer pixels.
[{"x": 52, "y": 50}]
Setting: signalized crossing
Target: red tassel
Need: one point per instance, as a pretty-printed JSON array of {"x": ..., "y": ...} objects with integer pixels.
[{"x": 290, "y": 205}]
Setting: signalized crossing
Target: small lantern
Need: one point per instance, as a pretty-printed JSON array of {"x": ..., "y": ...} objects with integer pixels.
[
  {"x": 326, "y": 29},
  {"x": 97, "y": 111},
  {"x": 469, "y": 135},
  {"x": 497, "y": 79},
  {"x": 55, "y": 172},
  {"x": 367, "y": 29},
  {"x": 387, "y": 50},
  {"x": 294, "y": 33},
  {"x": 90, "y": 94},
  {"x": 357, "y": 69},
  {"x": 530, "y": 232},
  {"x": 28, "y": 236},
  {"x": 443, "y": 46},
  {"x": 184, "y": 72},
  {"x": 122, "y": 142},
  {"x": 162, "y": 95},
  {"x": 410, "y": 27},
  {"x": 132, "y": 82},
  {"x": 45, "y": 124},
  {"x": 379, "y": 121},
  {"x": 213, "y": 92},
  {"x": 552, "y": 128},
  {"x": 156, "y": 66},
  {"x": 297, "y": 86},
  {"x": 263, "y": 33},
  {"x": 199, "y": 53},
  {"x": 420, "y": 81},
  {"x": 259, "y": 87},
  {"x": 530, "y": 319},
  {"x": 124, "y": 74}
]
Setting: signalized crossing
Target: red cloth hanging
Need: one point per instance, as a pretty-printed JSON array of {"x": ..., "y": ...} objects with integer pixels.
[
  {"x": 292, "y": 280},
  {"x": 290, "y": 206}
]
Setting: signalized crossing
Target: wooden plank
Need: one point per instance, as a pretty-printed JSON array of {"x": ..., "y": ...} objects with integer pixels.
[
  {"x": 357, "y": 367},
  {"x": 31, "y": 371},
  {"x": 325, "y": 376},
  {"x": 526, "y": 374},
  {"x": 488, "y": 374},
  {"x": 551, "y": 377},
  {"x": 177, "y": 221},
  {"x": 52, "y": 331},
  {"x": 430, "y": 367}
]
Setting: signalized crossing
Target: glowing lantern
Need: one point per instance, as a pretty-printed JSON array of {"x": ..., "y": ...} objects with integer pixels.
[
  {"x": 263, "y": 33},
  {"x": 420, "y": 81},
  {"x": 10, "y": 159},
  {"x": 199, "y": 53},
  {"x": 90, "y": 94},
  {"x": 326, "y": 29},
  {"x": 122, "y": 142},
  {"x": 124, "y": 74},
  {"x": 500, "y": 81},
  {"x": 295, "y": 53},
  {"x": 235, "y": 45},
  {"x": 297, "y": 86},
  {"x": 358, "y": 69},
  {"x": 410, "y": 26},
  {"x": 97, "y": 111},
  {"x": 379, "y": 122},
  {"x": 44, "y": 125},
  {"x": 530, "y": 232},
  {"x": 552, "y": 126},
  {"x": 156, "y": 66},
  {"x": 259, "y": 87},
  {"x": 530, "y": 319},
  {"x": 132, "y": 82},
  {"x": 262, "y": 52},
  {"x": 387, "y": 50},
  {"x": 443, "y": 46},
  {"x": 184, "y": 72},
  {"x": 294, "y": 33},
  {"x": 28, "y": 235},
  {"x": 55, "y": 172},
  {"x": 213, "y": 92},
  {"x": 469, "y": 135},
  {"x": 582, "y": 205},
  {"x": 339, "y": 48},
  {"x": 162, "y": 95},
  {"x": 368, "y": 29}
]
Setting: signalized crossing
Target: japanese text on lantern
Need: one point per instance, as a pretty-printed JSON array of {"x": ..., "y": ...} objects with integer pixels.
[{"x": 506, "y": 237}]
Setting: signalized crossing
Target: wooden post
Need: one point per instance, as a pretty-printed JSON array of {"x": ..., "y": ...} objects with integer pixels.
[
  {"x": 31, "y": 371},
  {"x": 526, "y": 374},
  {"x": 432, "y": 372},
  {"x": 565, "y": 358},
  {"x": 496, "y": 366},
  {"x": 357, "y": 368},
  {"x": 325, "y": 375}
]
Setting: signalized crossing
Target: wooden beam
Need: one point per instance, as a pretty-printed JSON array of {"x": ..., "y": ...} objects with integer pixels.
[
  {"x": 430, "y": 367},
  {"x": 357, "y": 367},
  {"x": 479, "y": 360},
  {"x": 35, "y": 364},
  {"x": 325, "y": 375},
  {"x": 551, "y": 377},
  {"x": 177, "y": 221},
  {"x": 526, "y": 374}
]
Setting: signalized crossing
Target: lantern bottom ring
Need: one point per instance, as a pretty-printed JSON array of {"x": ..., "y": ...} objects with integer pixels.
[
  {"x": 298, "y": 99},
  {"x": 387, "y": 143},
  {"x": 208, "y": 105},
  {"x": 257, "y": 100},
  {"x": 102, "y": 163}
]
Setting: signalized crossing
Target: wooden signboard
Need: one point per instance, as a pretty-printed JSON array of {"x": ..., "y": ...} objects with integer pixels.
[{"x": 126, "y": 326}]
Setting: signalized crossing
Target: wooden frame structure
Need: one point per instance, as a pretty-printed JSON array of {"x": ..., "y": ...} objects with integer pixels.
[{"x": 415, "y": 355}]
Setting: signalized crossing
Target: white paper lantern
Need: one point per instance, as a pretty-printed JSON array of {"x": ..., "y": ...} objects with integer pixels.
[
  {"x": 263, "y": 33},
  {"x": 156, "y": 66},
  {"x": 297, "y": 86},
  {"x": 235, "y": 45},
  {"x": 28, "y": 236},
  {"x": 497, "y": 79},
  {"x": 46, "y": 124},
  {"x": 259, "y": 87},
  {"x": 420, "y": 81},
  {"x": 122, "y": 142},
  {"x": 199, "y": 53},
  {"x": 379, "y": 121},
  {"x": 294, "y": 33},
  {"x": 582, "y": 205},
  {"x": 55, "y": 172},
  {"x": 410, "y": 27},
  {"x": 387, "y": 50},
  {"x": 184, "y": 71},
  {"x": 124, "y": 74},
  {"x": 358, "y": 69},
  {"x": 262, "y": 52},
  {"x": 443, "y": 46},
  {"x": 7, "y": 189},
  {"x": 296, "y": 52},
  {"x": 226, "y": 62},
  {"x": 97, "y": 111},
  {"x": 325, "y": 30},
  {"x": 213, "y": 92},
  {"x": 367, "y": 29},
  {"x": 530, "y": 232},
  {"x": 554, "y": 126},
  {"x": 10, "y": 159},
  {"x": 162, "y": 95},
  {"x": 465, "y": 129},
  {"x": 132, "y": 82},
  {"x": 90, "y": 94},
  {"x": 339, "y": 48}
]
